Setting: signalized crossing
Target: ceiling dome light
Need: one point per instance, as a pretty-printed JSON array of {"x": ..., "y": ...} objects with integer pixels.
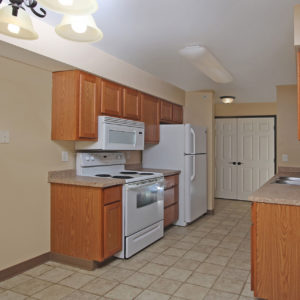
[
  {"x": 17, "y": 27},
  {"x": 204, "y": 60},
  {"x": 71, "y": 7},
  {"x": 227, "y": 99},
  {"x": 79, "y": 29}
]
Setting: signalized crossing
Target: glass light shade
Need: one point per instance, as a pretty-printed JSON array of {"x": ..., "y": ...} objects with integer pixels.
[
  {"x": 227, "y": 99},
  {"x": 17, "y": 27},
  {"x": 206, "y": 62},
  {"x": 71, "y": 7},
  {"x": 79, "y": 29}
]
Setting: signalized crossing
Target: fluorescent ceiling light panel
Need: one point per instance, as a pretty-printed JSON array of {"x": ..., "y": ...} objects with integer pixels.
[{"x": 203, "y": 60}]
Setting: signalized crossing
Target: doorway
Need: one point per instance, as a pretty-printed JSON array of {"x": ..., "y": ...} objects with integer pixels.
[{"x": 244, "y": 155}]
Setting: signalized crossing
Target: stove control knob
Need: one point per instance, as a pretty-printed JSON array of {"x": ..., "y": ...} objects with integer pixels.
[
  {"x": 87, "y": 158},
  {"x": 92, "y": 158}
]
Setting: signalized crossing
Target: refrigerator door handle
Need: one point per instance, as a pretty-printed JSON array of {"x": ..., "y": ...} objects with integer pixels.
[
  {"x": 194, "y": 168},
  {"x": 194, "y": 140},
  {"x": 193, "y": 158}
]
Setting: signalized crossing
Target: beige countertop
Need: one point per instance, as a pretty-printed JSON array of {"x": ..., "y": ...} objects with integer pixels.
[
  {"x": 70, "y": 177},
  {"x": 279, "y": 193}
]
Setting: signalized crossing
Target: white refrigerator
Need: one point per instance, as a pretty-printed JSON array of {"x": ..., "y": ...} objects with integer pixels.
[{"x": 183, "y": 147}]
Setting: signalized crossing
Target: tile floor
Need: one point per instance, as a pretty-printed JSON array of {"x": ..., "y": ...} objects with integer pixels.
[{"x": 210, "y": 259}]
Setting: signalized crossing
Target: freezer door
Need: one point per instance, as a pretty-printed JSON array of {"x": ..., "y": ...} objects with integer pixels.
[
  {"x": 195, "y": 139},
  {"x": 195, "y": 186}
]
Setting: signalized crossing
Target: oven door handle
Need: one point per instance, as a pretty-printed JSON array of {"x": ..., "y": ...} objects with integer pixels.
[{"x": 160, "y": 185}]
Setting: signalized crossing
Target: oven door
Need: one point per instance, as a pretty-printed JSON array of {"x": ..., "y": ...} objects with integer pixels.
[
  {"x": 144, "y": 205},
  {"x": 118, "y": 137}
]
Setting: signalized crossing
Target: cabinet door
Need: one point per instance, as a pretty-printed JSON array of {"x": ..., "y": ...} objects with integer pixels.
[
  {"x": 112, "y": 229},
  {"x": 111, "y": 99},
  {"x": 151, "y": 118},
  {"x": 131, "y": 104},
  {"x": 166, "y": 111},
  {"x": 177, "y": 114},
  {"x": 88, "y": 106}
]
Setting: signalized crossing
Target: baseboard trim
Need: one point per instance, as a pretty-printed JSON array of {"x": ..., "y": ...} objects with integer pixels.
[
  {"x": 24, "y": 266},
  {"x": 73, "y": 261},
  {"x": 211, "y": 212}
]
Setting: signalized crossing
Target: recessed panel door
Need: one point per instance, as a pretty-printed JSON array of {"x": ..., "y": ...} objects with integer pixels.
[
  {"x": 255, "y": 154},
  {"x": 225, "y": 157}
]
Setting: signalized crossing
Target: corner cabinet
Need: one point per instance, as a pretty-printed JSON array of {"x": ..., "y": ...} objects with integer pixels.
[
  {"x": 150, "y": 115},
  {"x": 75, "y": 102},
  {"x": 171, "y": 200},
  {"x": 86, "y": 222}
]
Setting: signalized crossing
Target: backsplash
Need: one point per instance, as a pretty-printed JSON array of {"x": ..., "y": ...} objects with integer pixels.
[{"x": 133, "y": 157}]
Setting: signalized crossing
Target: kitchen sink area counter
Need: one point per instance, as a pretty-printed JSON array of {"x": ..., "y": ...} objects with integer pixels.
[
  {"x": 279, "y": 193},
  {"x": 69, "y": 177},
  {"x": 275, "y": 238}
]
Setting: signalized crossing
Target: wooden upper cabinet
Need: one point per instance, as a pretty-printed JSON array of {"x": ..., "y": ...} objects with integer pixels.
[
  {"x": 166, "y": 111},
  {"x": 88, "y": 106},
  {"x": 177, "y": 114},
  {"x": 75, "y": 102},
  {"x": 151, "y": 117},
  {"x": 131, "y": 104},
  {"x": 111, "y": 99}
]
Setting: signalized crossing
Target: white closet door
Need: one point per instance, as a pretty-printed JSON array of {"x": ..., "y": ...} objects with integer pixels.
[
  {"x": 226, "y": 156},
  {"x": 256, "y": 154}
]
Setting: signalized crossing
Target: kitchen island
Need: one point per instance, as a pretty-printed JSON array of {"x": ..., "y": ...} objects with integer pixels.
[{"x": 275, "y": 239}]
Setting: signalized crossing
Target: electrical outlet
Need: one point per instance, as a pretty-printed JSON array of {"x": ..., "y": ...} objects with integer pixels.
[
  {"x": 285, "y": 157},
  {"x": 64, "y": 156}
]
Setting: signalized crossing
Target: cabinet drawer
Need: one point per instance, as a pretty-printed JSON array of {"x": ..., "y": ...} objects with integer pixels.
[
  {"x": 171, "y": 215},
  {"x": 111, "y": 195},
  {"x": 171, "y": 196},
  {"x": 171, "y": 181}
]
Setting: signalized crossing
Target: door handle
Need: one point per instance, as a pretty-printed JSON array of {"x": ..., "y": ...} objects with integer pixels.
[
  {"x": 233, "y": 163},
  {"x": 239, "y": 163}
]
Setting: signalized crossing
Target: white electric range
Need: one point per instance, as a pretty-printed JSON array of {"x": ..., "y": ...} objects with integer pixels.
[{"x": 143, "y": 198}]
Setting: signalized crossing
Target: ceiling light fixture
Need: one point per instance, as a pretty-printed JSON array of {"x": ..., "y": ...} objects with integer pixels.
[
  {"x": 205, "y": 61},
  {"x": 227, "y": 99},
  {"x": 77, "y": 24}
]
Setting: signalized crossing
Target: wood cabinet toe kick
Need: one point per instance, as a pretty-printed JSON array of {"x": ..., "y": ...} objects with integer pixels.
[{"x": 86, "y": 222}]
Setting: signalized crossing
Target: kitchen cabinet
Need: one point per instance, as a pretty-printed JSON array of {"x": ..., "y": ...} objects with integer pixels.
[
  {"x": 75, "y": 102},
  {"x": 166, "y": 112},
  {"x": 275, "y": 254},
  {"x": 111, "y": 99},
  {"x": 170, "y": 113},
  {"x": 298, "y": 81},
  {"x": 171, "y": 200},
  {"x": 177, "y": 114},
  {"x": 86, "y": 222},
  {"x": 150, "y": 115},
  {"x": 131, "y": 104}
]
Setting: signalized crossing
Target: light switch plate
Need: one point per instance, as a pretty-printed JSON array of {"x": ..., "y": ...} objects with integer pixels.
[
  {"x": 285, "y": 157},
  {"x": 64, "y": 156},
  {"x": 4, "y": 137}
]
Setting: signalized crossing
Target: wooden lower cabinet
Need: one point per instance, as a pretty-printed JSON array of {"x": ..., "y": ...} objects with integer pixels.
[
  {"x": 275, "y": 251},
  {"x": 171, "y": 200},
  {"x": 86, "y": 222}
]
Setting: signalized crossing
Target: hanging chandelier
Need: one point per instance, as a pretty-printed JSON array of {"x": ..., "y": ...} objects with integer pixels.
[{"x": 77, "y": 23}]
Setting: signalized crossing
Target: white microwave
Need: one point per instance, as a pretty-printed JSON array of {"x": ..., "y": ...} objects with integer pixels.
[{"x": 116, "y": 134}]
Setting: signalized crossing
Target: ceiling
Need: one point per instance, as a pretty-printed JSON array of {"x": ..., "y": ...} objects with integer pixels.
[{"x": 253, "y": 40}]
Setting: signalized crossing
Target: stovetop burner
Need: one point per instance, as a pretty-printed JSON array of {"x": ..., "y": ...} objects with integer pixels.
[
  {"x": 122, "y": 177},
  {"x": 103, "y": 175},
  {"x": 129, "y": 172},
  {"x": 145, "y": 173}
]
